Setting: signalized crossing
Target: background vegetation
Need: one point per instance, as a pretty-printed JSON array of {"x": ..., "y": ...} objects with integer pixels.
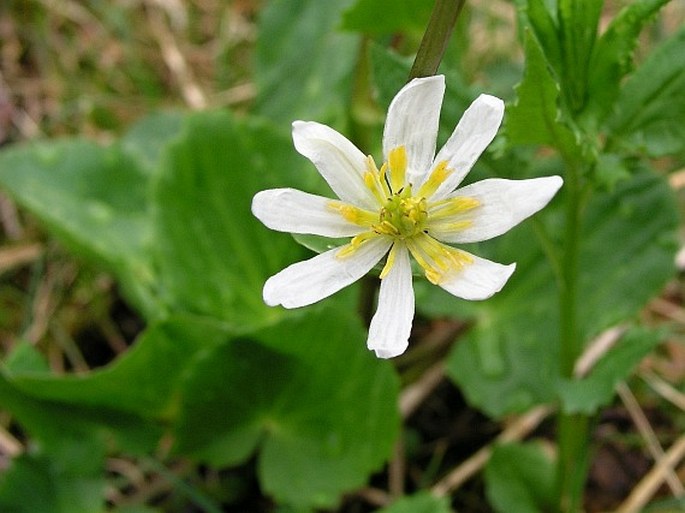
[{"x": 141, "y": 370}]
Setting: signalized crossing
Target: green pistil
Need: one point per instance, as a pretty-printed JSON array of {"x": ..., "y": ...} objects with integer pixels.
[{"x": 403, "y": 216}]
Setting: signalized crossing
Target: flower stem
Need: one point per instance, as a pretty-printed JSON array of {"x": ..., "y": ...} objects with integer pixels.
[
  {"x": 573, "y": 429},
  {"x": 436, "y": 37}
]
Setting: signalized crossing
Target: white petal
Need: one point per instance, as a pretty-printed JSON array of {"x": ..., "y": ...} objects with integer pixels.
[
  {"x": 478, "y": 280},
  {"x": 412, "y": 121},
  {"x": 293, "y": 211},
  {"x": 309, "y": 281},
  {"x": 339, "y": 161},
  {"x": 476, "y": 129},
  {"x": 503, "y": 205},
  {"x": 391, "y": 325}
]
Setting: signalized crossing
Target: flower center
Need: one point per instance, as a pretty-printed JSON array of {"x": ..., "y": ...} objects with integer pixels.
[{"x": 403, "y": 215}]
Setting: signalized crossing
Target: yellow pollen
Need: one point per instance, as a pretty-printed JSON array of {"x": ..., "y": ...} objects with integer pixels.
[
  {"x": 437, "y": 177},
  {"x": 397, "y": 160}
]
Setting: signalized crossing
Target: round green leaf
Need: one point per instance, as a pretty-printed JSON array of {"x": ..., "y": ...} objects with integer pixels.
[
  {"x": 306, "y": 392},
  {"x": 509, "y": 361},
  {"x": 213, "y": 256}
]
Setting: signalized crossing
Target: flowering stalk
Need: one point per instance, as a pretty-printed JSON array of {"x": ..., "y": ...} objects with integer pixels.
[
  {"x": 436, "y": 37},
  {"x": 572, "y": 429}
]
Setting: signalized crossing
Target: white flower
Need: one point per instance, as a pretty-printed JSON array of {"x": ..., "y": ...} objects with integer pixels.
[{"x": 408, "y": 206}]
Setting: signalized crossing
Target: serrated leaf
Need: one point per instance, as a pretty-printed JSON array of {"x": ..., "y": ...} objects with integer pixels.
[
  {"x": 578, "y": 21},
  {"x": 304, "y": 66},
  {"x": 649, "y": 112},
  {"x": 612, "y": 55},
  {"x": 212, "y": 254},
  {"x": 387, "y": 16},
  {"x": 422, "y": 502},
  {"x": 290, "y": 398},
  {"x": 520, "y": 478},
  {"x": 536, "y": 16},
  {"x": 509, "y": 361},
  {"x": 597, "y": 389},
  {"x": 535, "y": 118}
]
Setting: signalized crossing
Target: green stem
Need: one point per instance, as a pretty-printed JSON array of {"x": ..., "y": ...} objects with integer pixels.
[
  {"x": 571, "y": 345},
  {"x": 436, "y": 37},
  {"x": 573, "y": 429}
]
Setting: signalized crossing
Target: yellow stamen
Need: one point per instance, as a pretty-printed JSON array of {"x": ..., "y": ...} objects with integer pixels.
[
  {"x": 353, "y": 214},
  {"x": 456, "y": 226},
  {"x": 389, "y": 262},
  {"x": 437, "y": 177},
  {"x": 386, "y": 228},
  {"x": 375, "y": 180},
  {"x": 437, "y": 260},
  {"x": 397, "y": 159},
  {"x": 452, "y": 206},
  {"x": 354, "y": 244},
  {"x": 383, "y": 174}
]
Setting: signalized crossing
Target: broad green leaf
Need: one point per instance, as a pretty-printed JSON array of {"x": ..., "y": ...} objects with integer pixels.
[
  {"x": 509, "y": 361},
  {"x": 68, "y": 480},
  {"x": 598, "y": 388},
  {"x": 578, "y": 21},
  {"x": 649, "y": 112},
  {"x": 213, "y": 256},
  {"x": 535, "y": 118},
  {"x": 92, "y": 198},
  {"x": 144, "y": 381},
  {"x": 389, "y": 72},
  {"x": 519, "y": 478},
  {"x": 623, "y": 267},
  {"x": 387, "y": 16},
  {"x": 24, "y": 358},
  {"x": 304, "y": 66},
  {"x": 50, "y": 422},
  {"x": 422, "y": 502},
  {"x": 613, "y": 54},
  {"x": 320, "y": 427},
  {"x": 130, "y": 400},
  {"x": 146, "y": 140}
]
